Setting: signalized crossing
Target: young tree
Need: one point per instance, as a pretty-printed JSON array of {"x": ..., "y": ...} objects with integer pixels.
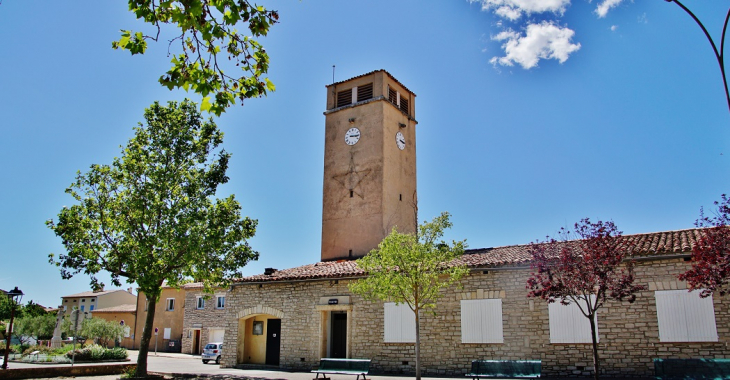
[
  {"x": 587, "y": 272},
  {"x": 101, "y": 331},
  {"x": 150, "y": 216},
  {"x": 207, "y": 39},
  {"x": 412, "y": 269},
  {"x": 710, "y": 270},
  {"x": 38, "y": 326}
]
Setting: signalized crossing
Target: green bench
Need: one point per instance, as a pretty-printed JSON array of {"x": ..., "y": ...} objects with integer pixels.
[
  {"x": 675, "y": 369},
  {"x": 505, "y": 369},
  {"x": 359, "y": 367}
]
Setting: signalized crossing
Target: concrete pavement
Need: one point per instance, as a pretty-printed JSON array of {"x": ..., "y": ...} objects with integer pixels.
[{"x": 170, "y": 364}]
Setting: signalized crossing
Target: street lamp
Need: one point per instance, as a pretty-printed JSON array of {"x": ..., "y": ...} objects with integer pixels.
[{"x": 15, "y": 296}]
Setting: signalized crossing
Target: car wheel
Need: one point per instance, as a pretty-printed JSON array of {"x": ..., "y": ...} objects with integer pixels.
[
  {"x": 205, "y": 361},
  {"x": 218, "y": 360}
]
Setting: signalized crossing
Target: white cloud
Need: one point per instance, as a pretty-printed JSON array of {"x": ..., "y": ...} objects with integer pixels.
[
  {"x": 540, "y": 41},
  {"x": 514, "y": 9},
  {"x": 614, "y": 27},
  {"x": 605, "y": 6}
]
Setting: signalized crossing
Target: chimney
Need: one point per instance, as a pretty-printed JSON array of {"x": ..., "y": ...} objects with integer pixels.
[
  {"x": 130, "y": 290},
  {"x": 269, "y": 271}
]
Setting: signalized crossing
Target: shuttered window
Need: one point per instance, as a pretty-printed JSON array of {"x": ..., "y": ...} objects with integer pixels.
[
  {"x": 481, "y": 321},
  {"x": 568, "y": 324},
  {"x": 685, "y": 317},
  {"x": 365, "y": 92},
  {"x": 344, "y": 98},
  {"x": 400, "y": 324}
]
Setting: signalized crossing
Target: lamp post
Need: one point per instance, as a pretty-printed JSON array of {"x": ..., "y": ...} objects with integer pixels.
[{"x": 15, "y": 296}]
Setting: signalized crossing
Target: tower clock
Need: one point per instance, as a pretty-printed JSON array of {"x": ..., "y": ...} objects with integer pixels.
[{"x": 369, "y": 164}]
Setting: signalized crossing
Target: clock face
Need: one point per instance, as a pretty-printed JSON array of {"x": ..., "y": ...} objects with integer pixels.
[
  {"x": 352, "y": 136},
  {"x": 400, "y": 141}
]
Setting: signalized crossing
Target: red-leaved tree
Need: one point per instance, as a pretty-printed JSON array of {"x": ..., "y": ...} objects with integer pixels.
[
  {"x": 710, "y": 270},
  {"x": 586, "y": 266}
]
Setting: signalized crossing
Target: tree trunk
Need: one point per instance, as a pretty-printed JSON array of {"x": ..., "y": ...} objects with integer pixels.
[
  {"x": 592, "y": 320},
  {"x": 144, "y": 345},
  {"x": 418, "y": 346}
]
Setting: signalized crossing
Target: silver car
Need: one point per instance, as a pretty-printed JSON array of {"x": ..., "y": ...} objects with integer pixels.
[{"x": 212, "y": 351}]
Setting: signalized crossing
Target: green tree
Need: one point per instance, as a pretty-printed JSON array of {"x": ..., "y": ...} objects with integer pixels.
[
  {"x": 208, "y": 42},
  {"x": 101, "y": 331},
  {"x": 34, "y": 309},
  {"x": 38, "y": 326},
  {"x": 412, "y": 269},
  {"x": 6, "y": 305},
  {"x": 150, "y": 216}
]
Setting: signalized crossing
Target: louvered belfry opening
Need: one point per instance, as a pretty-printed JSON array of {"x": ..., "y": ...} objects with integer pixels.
[
  {"x": 393, "y": 96},
  {"x": 404, "y": 105},
  {"x": 344, "y": 98},
  {"x": 365, "y": 92}
]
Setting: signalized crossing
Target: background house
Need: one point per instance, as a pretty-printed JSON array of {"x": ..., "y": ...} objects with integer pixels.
[
  {"x": 90, "y": 301},
  {"x": 169, "y": 313},
  {"x": 121, "y": 314}
]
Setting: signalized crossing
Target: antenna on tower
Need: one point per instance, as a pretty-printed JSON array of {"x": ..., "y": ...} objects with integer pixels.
[{"x": 333, "y": 73}]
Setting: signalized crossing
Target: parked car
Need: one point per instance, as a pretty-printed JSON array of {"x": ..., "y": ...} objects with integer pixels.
[{"x": 212, "y": 351}]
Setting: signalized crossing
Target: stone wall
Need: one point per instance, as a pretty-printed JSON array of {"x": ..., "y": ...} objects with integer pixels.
[
  {"x": 628, "y": 332},
  {"x": 204, "y": 319}
]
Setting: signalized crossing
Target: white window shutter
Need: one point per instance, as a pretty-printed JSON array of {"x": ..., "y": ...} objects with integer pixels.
[
  {"x": 685, "y": 317},
  {"x": 568, "y": 324},
  {"x": 166, "y": 333},
  {"x": 399, "y": 325},
  {"x": 481, "y": 321},
  {"x": 354, "y": 95}
]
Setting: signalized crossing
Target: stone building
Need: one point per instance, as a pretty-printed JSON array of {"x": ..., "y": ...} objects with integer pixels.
[
  {"x": 291, "y": 318},
  {"x": 307, "y": 313},
  {"x": 203, "y": 321}
]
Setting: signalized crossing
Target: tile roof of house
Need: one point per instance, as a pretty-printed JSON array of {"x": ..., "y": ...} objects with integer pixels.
[
  {"x": 372, "y": 72},
  {"x": 93, "y": 294},
  {"x": 646, "y": 245},
  {"x": 126, "y": 308}
]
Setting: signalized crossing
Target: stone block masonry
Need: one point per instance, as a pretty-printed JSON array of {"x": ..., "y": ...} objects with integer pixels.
[{"x": 628, "y": 332}]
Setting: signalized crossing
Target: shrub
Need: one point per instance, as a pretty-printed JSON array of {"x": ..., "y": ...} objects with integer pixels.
[
  {"x": 98, "y": 353},
  {"x": 42, "y": 349}
]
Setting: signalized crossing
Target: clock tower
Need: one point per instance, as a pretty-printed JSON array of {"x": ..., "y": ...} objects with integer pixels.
[{"x": 369, "y": 164}]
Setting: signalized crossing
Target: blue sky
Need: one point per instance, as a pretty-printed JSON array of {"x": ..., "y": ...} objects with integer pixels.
[{"x": 631, "y": 125}]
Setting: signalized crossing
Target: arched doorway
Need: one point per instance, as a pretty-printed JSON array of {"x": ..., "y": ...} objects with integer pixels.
[{"x": 259, "y": 336}]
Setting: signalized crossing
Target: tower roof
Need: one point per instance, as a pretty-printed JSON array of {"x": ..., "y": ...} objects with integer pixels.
[{"x": 370, "y": 73}]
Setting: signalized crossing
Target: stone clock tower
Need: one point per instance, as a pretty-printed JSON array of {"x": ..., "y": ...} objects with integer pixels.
[{"x": 369, "y": 164}]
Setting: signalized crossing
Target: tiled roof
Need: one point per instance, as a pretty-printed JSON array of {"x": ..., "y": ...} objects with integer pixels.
[
  {"x": 646, "y": 245},
  {"x": 126, "y": 308},
  {"x": 93, "y": 294},
  {"x": 374, "y": 71},
  {"x": 324, "y": 269}
]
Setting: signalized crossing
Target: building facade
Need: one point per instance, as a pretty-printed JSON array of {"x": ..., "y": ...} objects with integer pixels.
[
  {"x": 100, "y": 299},
  {"x": 204, "y": 319},
  {"x": 491, "y": 317},
  {"x": 168, "y": 320}
]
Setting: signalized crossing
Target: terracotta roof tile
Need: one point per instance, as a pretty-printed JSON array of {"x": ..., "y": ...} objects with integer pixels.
[
  {"x": 93, "y": 294},
  {"x": 126, "y": 308},
  {"x": 649, "y": 244},
  {"x": 374, "y": 71}
]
